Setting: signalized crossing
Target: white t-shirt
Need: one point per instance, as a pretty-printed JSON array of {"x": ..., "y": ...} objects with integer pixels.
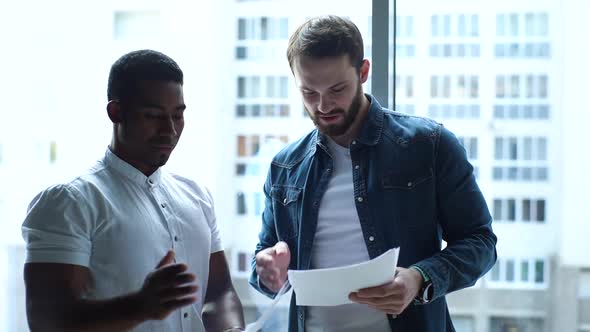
[
  {"x": 339, "y": 241},
  {"x": 120, "y": 223}
]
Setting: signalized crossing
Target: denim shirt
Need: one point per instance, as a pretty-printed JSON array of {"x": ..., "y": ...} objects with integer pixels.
[{"x": 413, "y": 187}]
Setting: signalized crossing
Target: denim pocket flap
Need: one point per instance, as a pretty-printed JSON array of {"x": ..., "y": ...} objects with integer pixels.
[
  {"x": 407, "y": 181},
  {"x": 285, "y": 195}
]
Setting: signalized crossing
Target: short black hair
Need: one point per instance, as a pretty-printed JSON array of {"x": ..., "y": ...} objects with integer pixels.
[
  {"x": 142, "y": 65},
  {"x": 327, "y": 36}
]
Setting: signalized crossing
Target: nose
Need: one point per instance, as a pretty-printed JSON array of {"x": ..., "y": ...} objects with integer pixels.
[
  {"x": 325, "y": 104},
  {"x": 168, "y": 126}
]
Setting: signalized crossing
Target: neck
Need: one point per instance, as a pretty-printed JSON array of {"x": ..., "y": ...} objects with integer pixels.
[
  {"x": 120, "y": 152},
  {"x": 355, "y": 129}
]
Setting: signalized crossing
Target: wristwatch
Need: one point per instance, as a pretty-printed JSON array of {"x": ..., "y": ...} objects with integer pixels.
[{"x": 427, "y": 291}]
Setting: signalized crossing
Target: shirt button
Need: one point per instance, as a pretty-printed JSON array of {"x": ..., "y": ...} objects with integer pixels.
[
  {"x": 353, "y": 142},
  {"x": 150, "y": 181},
  {"x": 175, "y": 238},
  {"x": 185, "y": 314},
  {"x": 410, "y": 184},
  {"x": 315, "y": 204},
  {"x": 285, "y": 201},
  {"x": 163, "y": 205},
  {"x": 371, "y": 238},
  {"x": 357, "y": 167},
  {"x": 301, "y": 316},
  {"x": 360, "y": 199}
]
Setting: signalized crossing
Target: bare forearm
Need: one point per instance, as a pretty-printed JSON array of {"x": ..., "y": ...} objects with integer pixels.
[
  {"x": 112, "y": 315},
  {"x": 223, "y": 312}
]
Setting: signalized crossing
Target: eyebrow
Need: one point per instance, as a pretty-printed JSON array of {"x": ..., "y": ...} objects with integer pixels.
[{"x": 180, "y": 107}]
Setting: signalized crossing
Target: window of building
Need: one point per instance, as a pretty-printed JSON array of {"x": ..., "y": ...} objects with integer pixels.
[
  {"x": 516, "y": 324},
  {"x": 454, "y": 35},
  {"x": 257, "y": 37},
  {"x": 52, "y": 152},
  {"x": 520, "y": 158},
  {"x": 241, "y": 263},
  {"x": 241, "y": 203},
  {"x": 462, "y": 89},
  {"x": 527, "y": 273},
  {"x": 250, "y": 90},
  {"x": 519, "y": 210},
  {"x": 463, "y": 323},
  {"x": 512, "y": 27}
]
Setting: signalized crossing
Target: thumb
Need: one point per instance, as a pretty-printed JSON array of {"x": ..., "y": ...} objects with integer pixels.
[
  {"x": 282, "y": 248},
  {"x": 167, "y": 259}
]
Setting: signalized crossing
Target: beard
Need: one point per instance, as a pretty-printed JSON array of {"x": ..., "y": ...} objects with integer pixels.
[{"x": 350, "y": 115}]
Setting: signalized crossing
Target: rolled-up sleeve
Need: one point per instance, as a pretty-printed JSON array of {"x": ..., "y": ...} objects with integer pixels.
[{"x": 58, "y": 228}]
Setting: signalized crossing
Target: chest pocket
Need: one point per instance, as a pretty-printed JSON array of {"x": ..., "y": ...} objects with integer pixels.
[
  {"x": 405, "y": 181},
  {"x": 413, "y": 196},
  {"x": 286, "y": 203}
]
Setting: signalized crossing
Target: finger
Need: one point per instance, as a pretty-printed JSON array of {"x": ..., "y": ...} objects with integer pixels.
[
  {"x": 264, "y": 260},
  {"x": 382, "y": 301},
  {"x": 269, "y": 273},
  {"x": 177, "y": 293},
  {"x": 168, "y": 273},
  {"x": 387, "y": 289},
  {"x": 167, "y": 259},
  {"x": 281, "y": 248},
  {"x": 184, "y": 278}
]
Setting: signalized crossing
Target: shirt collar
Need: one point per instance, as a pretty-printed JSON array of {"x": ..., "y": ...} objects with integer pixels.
[{"x": 125, "y": 169}]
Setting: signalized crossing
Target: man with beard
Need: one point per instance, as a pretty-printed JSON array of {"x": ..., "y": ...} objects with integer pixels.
[
  {"x": 366, "y": 180},
  {"x": 128, "y": 245}
]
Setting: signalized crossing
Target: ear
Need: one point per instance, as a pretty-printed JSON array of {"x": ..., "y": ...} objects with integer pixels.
[
  {"x": 114, "y": 111},
  {"x": 365, "y": 70}
]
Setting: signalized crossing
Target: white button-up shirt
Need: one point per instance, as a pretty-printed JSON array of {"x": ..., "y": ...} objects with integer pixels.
[{"x": 120, "y": 223}]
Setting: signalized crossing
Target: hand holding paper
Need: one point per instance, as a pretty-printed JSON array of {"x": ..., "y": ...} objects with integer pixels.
[
  {"x": 329, "y": 287},
  {"x": 394, "y": 296}
]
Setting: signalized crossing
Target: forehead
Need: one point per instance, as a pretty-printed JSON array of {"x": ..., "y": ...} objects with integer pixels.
[
  {"x": 159, "y": 92},
  {"x": 320, "y": 73}
]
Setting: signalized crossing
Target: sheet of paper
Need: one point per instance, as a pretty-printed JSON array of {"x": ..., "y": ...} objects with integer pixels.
[
  {"x": 329, "y": 287},
  {"x": 257, "y": 325}
]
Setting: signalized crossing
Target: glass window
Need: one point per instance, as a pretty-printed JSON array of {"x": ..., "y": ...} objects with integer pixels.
[
  {"x": 474, "y": 26},
  {"x": 526, "y": 210},
  {"x": 461, "y": 25},
  {"x": 513, "y": 25},
  {"x": 524, "y": 271},
  {"x": 539, "y": 271},
  {"x": 510, "y": 270},
  {"x": 540, "y": 210},
  {"x": 499, "y": 148},
  {"x": 241, "y": 203},
  {"x": 500, "y": 24},
  {"x": 242, "y": 146},
  {"x": 495, "y": 273},
  {"x": 511, "y": 205},
  {"x": 52, "y": 152},
  {"x": 513, "y": 148},
  {"x": 433, "y": 86},
  {"x": 541, "y": 148},
  {"x": 500, "y": 87},
  {"x": 241, "y": 29}
]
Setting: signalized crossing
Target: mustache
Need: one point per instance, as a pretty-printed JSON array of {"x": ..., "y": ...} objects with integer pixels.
[{"x": 332, "y": 113}]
